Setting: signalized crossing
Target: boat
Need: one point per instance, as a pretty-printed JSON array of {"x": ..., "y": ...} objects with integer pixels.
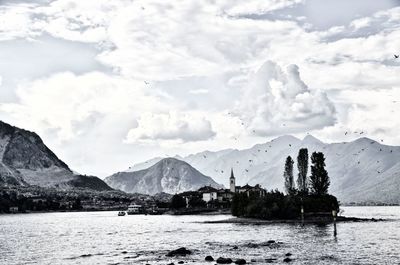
[
  {"x": 121, "y": 213},
  {"x": 135, "y": 209}
]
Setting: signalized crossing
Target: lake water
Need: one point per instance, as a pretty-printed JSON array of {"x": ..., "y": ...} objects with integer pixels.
[{"x": 105, "y": 238}]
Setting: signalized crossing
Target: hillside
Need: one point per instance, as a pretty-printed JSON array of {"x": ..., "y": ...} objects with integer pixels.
[
  {"x": 168, "y": 175},
  {"x": 26, "y": 160}
]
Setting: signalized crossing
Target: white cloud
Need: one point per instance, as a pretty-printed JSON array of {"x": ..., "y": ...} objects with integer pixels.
[
  {"x": 196, "y": 91},
  {"x": 235, "y": 8},
  {"x": 198, "y": 59},
  {"x": 279, "y": 102},
  {"x": 65, "y": 99},
  {"x": 15, "y": 22},
  {"x": 184, "y": 127}
]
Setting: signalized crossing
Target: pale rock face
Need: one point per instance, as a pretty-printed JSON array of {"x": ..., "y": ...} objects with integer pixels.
[
  {"x": 361, "y": 170},
  {"x": 168, "y": 175}
]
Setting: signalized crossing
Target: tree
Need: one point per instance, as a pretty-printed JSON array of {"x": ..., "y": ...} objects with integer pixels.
[
  {"x": 302, "y": 166},
  {"x": 319, "y": 179},
  {"x": 197, "y": 202},
  {"x": 177, "y": 202},
  {"x": 288, "y": 176}
]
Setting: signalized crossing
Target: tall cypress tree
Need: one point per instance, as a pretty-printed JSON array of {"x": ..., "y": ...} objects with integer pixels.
[
  {"x": 302, "y": 166},
  {"x": 288, "y": 176},
  {"x": 319, "y": 178}
]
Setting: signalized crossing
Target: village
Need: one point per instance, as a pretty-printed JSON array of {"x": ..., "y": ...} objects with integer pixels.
[
  {"x": 205, "y": 199},
  {"x": 213, "y": 198}
]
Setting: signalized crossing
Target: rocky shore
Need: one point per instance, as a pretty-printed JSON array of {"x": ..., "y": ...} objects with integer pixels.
[{"x": 181, "y": 255}]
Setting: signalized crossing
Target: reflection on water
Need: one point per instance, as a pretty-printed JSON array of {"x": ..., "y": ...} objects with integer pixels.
[{"x": 105, "y": 238}]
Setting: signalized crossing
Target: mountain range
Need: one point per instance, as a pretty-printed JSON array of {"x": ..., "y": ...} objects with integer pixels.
[
  {"x": 360, "y": 170},
  {"x": 25, "y": 160},
  {"x": 168, "y": 175}
]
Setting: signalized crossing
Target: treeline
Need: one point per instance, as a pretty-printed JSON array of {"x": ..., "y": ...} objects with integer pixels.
[
  {"x": 31, "y": 199},
  {"x": 309, "y": 196},
  {"x": 276, "y": 205},
  {"x": 8, "y": 200}
]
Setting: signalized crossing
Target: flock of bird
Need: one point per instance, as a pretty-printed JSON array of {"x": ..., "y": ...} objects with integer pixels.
[{"x": 251, "y": 162}]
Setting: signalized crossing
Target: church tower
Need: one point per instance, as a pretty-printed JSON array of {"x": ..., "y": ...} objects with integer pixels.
[{"x": 232, "y": 182}]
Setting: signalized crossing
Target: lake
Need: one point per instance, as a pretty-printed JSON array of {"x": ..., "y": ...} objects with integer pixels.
[{"x": 105, "y": 238}]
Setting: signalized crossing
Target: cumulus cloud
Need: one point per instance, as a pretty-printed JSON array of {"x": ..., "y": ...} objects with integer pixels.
[
  {"x": 183, "y": 127},
  {"x": 198, "y": 59},
  {"x": 278, "y": 101},
  {"x": 63, "y": 100},
  {"x": 15, "y": 22}
]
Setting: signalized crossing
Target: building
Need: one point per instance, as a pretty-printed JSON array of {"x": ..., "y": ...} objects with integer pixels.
[
  {"x": 232, "y": 182},
  {"x": 252, "y": 189},
  {"x": 210, "y": 194},
  {"x": 190, "y": 195},
  {"x": 13, "y": 209}
]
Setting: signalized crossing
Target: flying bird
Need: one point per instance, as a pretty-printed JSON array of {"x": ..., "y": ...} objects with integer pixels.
[{"x": 396, "y": 56}]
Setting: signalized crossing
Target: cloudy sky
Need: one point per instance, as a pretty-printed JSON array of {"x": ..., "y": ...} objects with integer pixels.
[{"x": 109, "y": 83}]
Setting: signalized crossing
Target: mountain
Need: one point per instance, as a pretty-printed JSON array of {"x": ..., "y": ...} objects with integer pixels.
[
  {"x": 168, "y": 175},
  {"x": 361, "y": 170},
  {"x": 26, "y": 160}
]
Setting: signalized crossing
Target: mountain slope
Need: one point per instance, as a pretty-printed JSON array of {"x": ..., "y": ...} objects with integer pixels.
[
  {"x": 26, "y": 160},
  {"x": 361, "y": 170},
  {"x": 168, "y": 175}
]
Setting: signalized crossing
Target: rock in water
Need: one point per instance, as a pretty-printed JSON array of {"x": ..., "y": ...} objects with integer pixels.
[
  {"x": 209, "y": 258},
  {"x": 240, "y": 261},
  {"x": 287, "y": 259},
  {"x": 222, "y": 260},
  {"x": 179, "y": 252}
]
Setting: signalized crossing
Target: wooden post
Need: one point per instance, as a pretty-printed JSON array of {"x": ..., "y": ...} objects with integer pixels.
[
  {"x": 302, "y": 212},
  {"x": 334, "y": 222}
]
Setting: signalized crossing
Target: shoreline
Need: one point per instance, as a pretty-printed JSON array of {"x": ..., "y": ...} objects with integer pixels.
[{"x": 245, "y": 220}]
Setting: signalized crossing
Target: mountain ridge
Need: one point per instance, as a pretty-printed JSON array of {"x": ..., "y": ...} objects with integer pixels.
[
  {"x": 168, "y": 175},
  {"x": 25, "y": 160},
  {"x": 354, "y": 167}
]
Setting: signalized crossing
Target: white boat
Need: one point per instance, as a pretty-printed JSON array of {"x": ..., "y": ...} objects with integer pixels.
[{"x": 135, "y": 209}]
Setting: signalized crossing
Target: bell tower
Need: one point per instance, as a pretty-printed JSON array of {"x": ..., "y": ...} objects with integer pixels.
[{"x": 232, "y": 182}]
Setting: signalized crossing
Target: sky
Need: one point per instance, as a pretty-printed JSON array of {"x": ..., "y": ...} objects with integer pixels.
[{"x": 110, "y": 83}]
